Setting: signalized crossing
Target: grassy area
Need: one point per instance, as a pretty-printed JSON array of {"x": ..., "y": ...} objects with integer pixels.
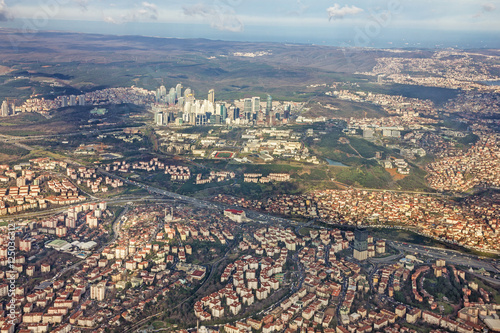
[
  {"x": 223, "y": 155},
  {"x": 241, "y": 189},
  {"x": 305, "y": 231},
  {"x": 331, "y": 107},
  {"x": 67, "y": 120},
  {"x": 265, "y": 169},
  {"x": 417, "y": 328},
  {"x": 438, "y": 95},
  {"x": 8, "y": 149},
  {"x": 364, "y": 170},
  {"x": 331, "y": 146},
  {"x": 314, "y": 174},
  {"x": 469, "y": 139},
  {"x": 448, "y": 309},
  {"x": 134, "y": 190},
  {"x": 365, "y": 148},
  {"x": 488, "y": 288},
  {"x": 405, "y": 236},
  {"x": 117, "y": 210},
  {"x": 415, "y": 181},
  {"x": 368, "y": 176},
  {"x": 22, "y": 119}
]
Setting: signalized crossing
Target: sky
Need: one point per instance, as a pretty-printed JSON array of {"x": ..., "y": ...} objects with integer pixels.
[{"x": 359, "y": 23}]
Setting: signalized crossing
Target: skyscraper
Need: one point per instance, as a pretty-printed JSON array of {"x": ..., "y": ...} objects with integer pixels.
[
  {"x": 72, "y": 100},
  {"x": 233, "y": 113},
  {"x": 163, "y": 91},
  {"x": 211, "y": 96},
  {"x": 180, "y": 102},
  {"x": 286, "y": 114},
  {"x": 223, "y": 112},
  {"x": 269, "y": 105},
  {"x": 255, "y": 104},
  {"x": 247, "y": 108},
  {"x": 64, "y": 102},
  {"x": 5, "y": 109},
  {"x": 188, "y": 95},
  {"x": 360, "y": 244},
  {"x": 171, "y": 96},
  {"x": 178, "y": 90},
  {"x": 169, "y": 118},
  {"x": 159, "y": 118}
]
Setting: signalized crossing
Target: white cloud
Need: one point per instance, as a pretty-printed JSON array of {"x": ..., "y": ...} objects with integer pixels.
[
  {"x": 485, "y": 8},
  {"x": 150, "y": 5},
  {"x": 219, "y": 17},
  {"x": 148, "y": 11},
  {"x": 337, "y": 12},
  {"x": 488, "y": 7},
  {"x": 109, "y": 19},
  {"x": 5, "y": 13}
]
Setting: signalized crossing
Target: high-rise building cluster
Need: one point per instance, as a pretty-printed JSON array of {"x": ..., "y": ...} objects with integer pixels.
[
  {"x": 180, "y": 108},
  {"x": 173, "y": 96}
]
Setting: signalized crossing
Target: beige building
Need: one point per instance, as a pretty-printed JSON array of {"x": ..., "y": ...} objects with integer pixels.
[{"x": 98, "y": 291}]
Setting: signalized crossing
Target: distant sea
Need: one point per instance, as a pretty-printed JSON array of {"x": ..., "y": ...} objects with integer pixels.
[{"x": 341, "y": 36}]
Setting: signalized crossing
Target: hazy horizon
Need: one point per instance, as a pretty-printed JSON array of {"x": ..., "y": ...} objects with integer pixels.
[{"x": 363, "y": 23}]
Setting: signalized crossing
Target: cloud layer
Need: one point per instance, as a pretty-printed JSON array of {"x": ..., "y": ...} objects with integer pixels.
[
  {"x": 145, "y": 11},
  {"x": 488, "y": 7},
  {"x": 218, "y": 16},
  {"x": 485, "y": 8},
  {"x": 336, "y": 12},
  {"x": 5, "y": 13},
  {"x": 265, "y": 15}
]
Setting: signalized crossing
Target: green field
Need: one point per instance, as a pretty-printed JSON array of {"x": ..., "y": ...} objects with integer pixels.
[
  {"x": 223, "y": 154},
  {"x": 265, "y": 169},
  {"x": 343, "y": 109},
  {"x": 8, "y": 149},
  {"x": 66, "y": 120},
  {"x": 438, "y": 95},
  {"x": 369, "y": 177},
  {"x": 330, "y": 147},
  {"x": 415, "y": 181}
]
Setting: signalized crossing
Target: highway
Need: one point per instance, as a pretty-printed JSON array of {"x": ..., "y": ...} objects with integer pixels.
[
  {"x": 14, "y": 139},
  {"x": 198, "y": 202},
  {"x": 451, "y": 256},
  {"x": 433, "y": 253},
  {"x": 58, "y": 210}
]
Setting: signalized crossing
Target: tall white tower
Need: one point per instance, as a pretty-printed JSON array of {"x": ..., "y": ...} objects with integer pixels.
[{"x": 5, "y": 109}]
